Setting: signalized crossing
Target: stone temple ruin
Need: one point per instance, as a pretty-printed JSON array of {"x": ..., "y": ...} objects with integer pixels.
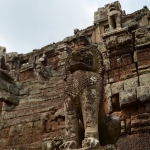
[{"x": 90, "y": 91}]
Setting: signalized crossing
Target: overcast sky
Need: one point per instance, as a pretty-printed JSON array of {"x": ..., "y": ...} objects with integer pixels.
[{"x": 31, "y": 24}]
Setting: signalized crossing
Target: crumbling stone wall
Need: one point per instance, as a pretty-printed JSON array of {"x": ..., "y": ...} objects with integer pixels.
[
  {"x": 39, "y": 117},
  {"x": 38, "y": 121}
]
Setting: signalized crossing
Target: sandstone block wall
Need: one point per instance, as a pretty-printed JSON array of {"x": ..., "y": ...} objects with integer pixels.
[
  {"x": 39, "y": 117},
  {"x": 38, "y": 121}
]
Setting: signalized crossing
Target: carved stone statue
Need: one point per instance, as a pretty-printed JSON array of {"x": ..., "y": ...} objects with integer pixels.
[
  {"x": 3, "y": 64},
  {"x": 83, "y": 90},
  {"x": 114, "y": 15},
  {"x": 84, "y": 84},
  {"x": 13, "y": 60}
]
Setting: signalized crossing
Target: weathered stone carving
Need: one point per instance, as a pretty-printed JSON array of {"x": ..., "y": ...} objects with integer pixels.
[
  {"x": 84, "y": 94},
  {"x": 111, "y": 42},
  {"x": 41, "y": 70},
  {"x": 130, "y": 24},
  {"x": 100, "y": 15},
  {"x": 142, "y": 37},
  {"x": 114, "y": 13},
  {"x": 3, "y": 64},
  {"x": 13, "y": 60},
  {"x": 118, "y": 42},
  {"x": 84, "y": 86},
  {"x": 80, "y": 39},
  {"x": 76, "y": 31}
]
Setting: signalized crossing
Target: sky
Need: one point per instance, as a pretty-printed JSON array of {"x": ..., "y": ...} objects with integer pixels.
[{"x": 31, "y": 24}]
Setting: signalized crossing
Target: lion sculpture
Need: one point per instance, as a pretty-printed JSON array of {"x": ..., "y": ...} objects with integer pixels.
[{"x": 83, "y": 90}]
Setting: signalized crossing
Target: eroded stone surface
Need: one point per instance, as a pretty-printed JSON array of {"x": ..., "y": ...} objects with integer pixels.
[
  {"x": 83, "y": 87},
  {"x": 127, "y": 97},
  {"x": 38, "y": 122}
]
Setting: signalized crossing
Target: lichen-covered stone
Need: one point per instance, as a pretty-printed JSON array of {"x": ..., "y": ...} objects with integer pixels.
[
  {"x": 144, "y": 79},
  {"x": 127, "y": 97},
  {"x": 109, "y": 105},
  {"x": 142, "y": 37},
  {"x": 117, "y": 87},
  {"x": 107, "y": 64},
  {"x": 102, "y": 47},
  {"x": 143, "y": 93},
  {"x": 131, "y": 83},
  {"x": 108, "y": 90}
]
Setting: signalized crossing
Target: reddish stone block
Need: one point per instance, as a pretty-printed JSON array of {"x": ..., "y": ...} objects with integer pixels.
[
  {"x": 13, "y": 141},
  {"x": 143, "y": 54},
  {"x": 124, "y": 50},
  {"x": 27, "y": 74},
  {"x": 25, "y": 139},
  {"x": 54, "y": 126},
  {"x": 115, "y": 62},
  {"x": 134, "y": 142},
  {"x": 126, "y": 59},
  {"x": 53, "y": 61},
  {"x": 57, "y": 125},
  {"x": 114, "y": 75},
  {"x": 39, "y": 127},
  {"x": 35, "y": 137},
  {"x": 27, "y": 128},
  {"x": 49, "y": 53},
  {"x": 143, "y": 63},
  {"x": 112, "y": 52},
  {"x": 48, "y": 126},
  {"x": 143, "y": 57},
  {"x": 128, "y": 71},
  {"x": 4, "y": 133}
]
